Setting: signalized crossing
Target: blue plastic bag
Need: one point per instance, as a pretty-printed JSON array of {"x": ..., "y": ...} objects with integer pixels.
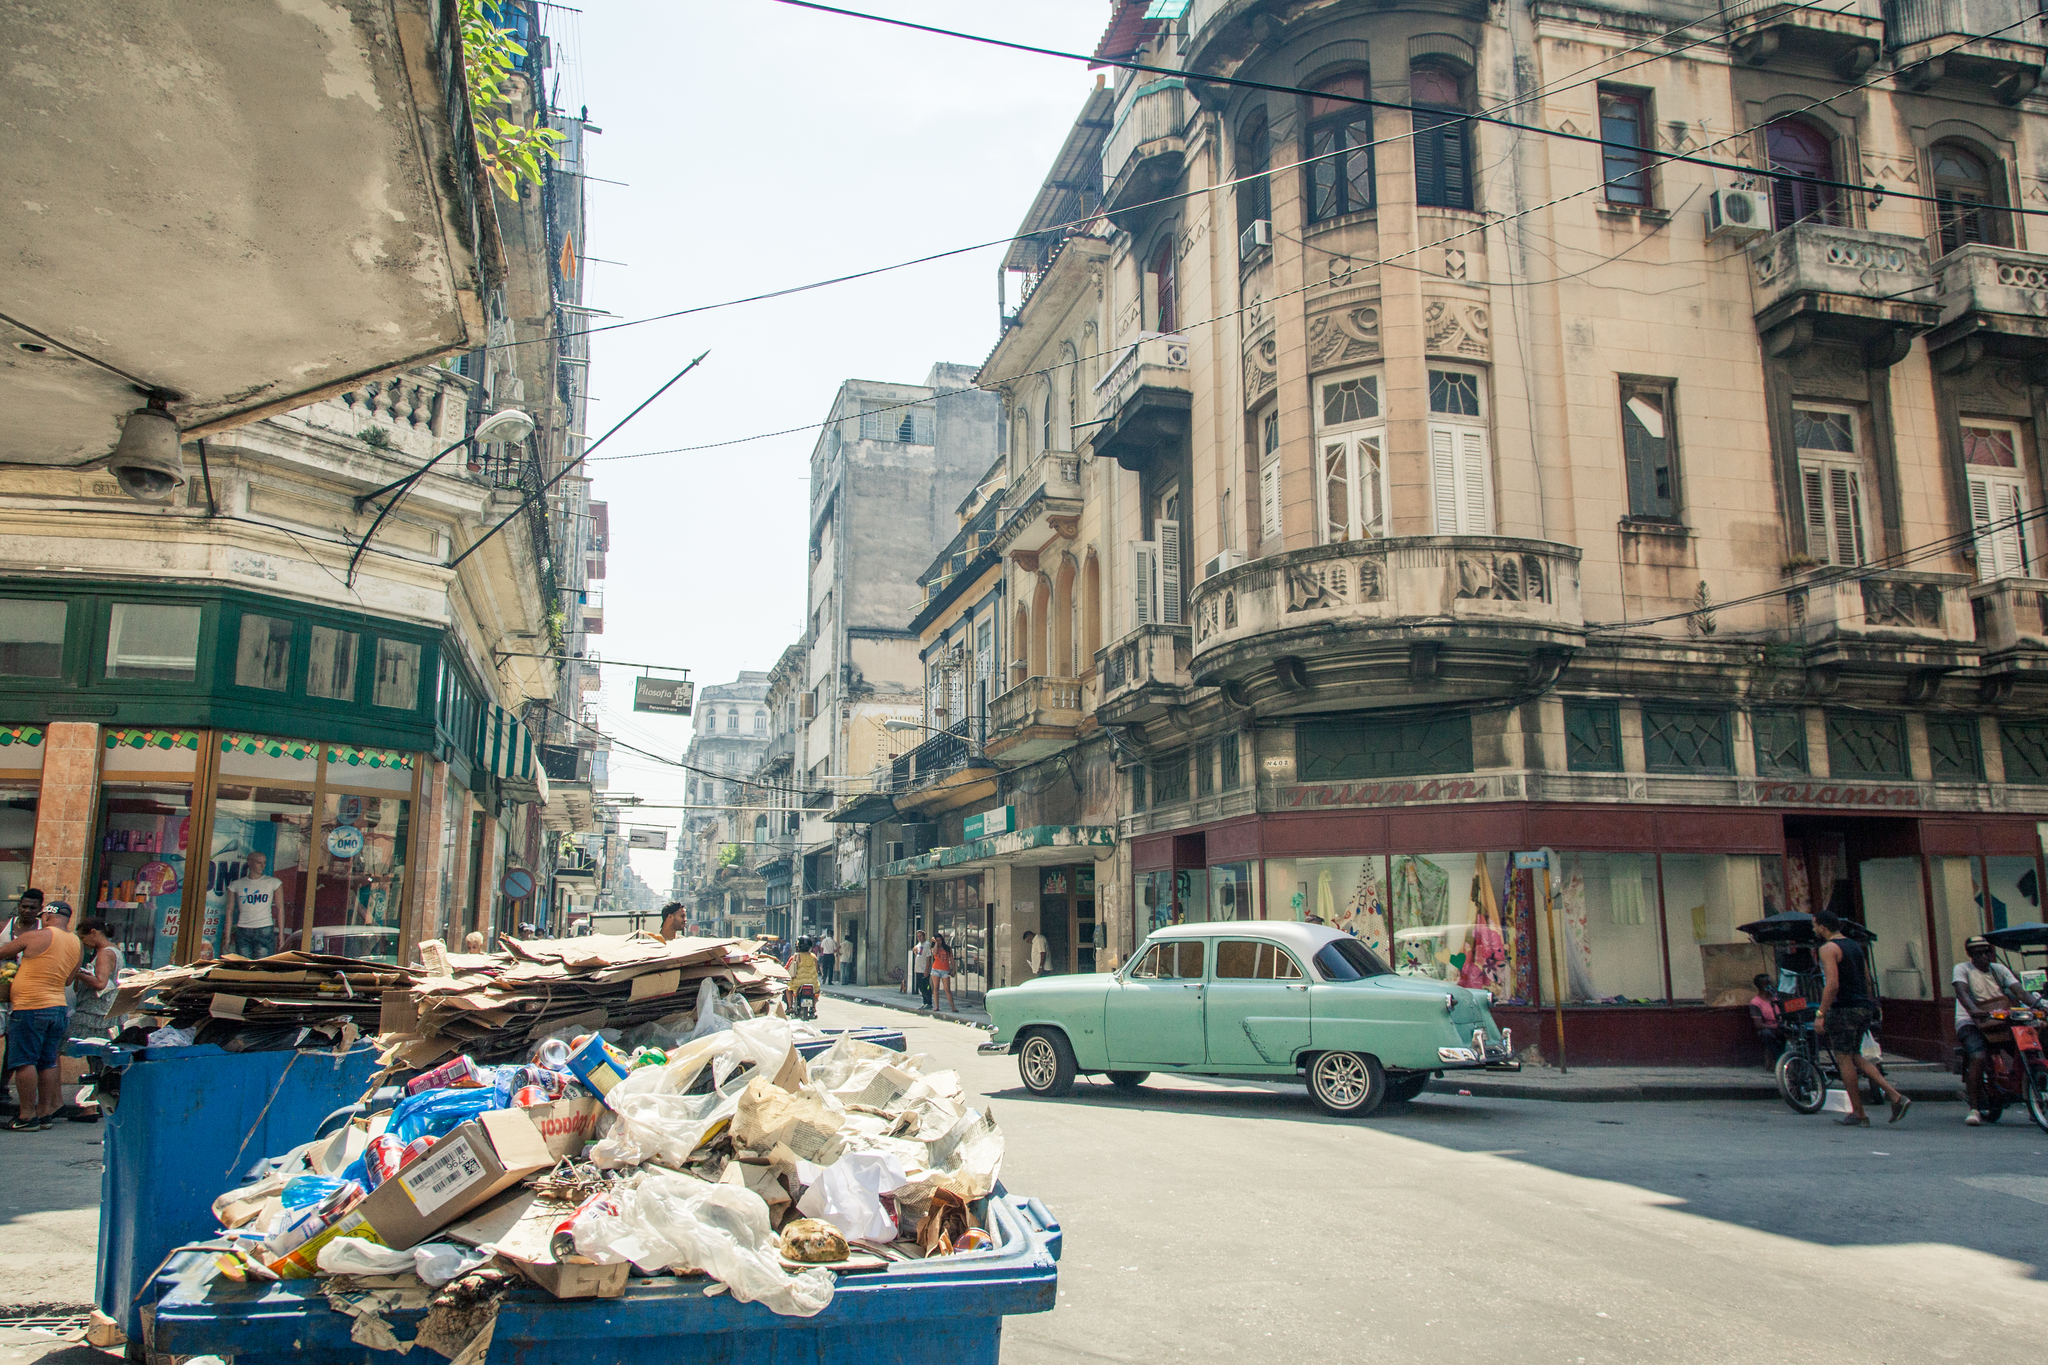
[
  {"x": 303, "y": 1191},
  {"x": 436, "y": 1113}
]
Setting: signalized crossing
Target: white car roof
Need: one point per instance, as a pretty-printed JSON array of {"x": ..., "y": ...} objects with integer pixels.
[{"x": 1306, "y": 939}]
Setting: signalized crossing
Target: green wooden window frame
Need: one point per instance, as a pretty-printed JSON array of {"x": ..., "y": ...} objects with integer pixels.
[
  {"x": 1779, "y": 739},
  {"x": 1955, "y": 751},
  {"x": 2025, "y": 745},
  {"x": 1205, "y": 768},
  {"x": 1866, "y": 746},
  {"x": 1686, "y": 739},
  {"x": 1232, "y": 770},
  {"x": 1343, "y": 751},
  {"x": 1592, "y": 737},
  {"x": 1170, "y": 778}
]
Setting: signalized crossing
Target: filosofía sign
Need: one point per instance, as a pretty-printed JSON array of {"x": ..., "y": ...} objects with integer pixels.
[{"x": 664, "y": 696}]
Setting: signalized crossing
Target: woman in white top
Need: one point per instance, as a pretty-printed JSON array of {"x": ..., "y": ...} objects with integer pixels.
[{"x": 97, "y": 983}]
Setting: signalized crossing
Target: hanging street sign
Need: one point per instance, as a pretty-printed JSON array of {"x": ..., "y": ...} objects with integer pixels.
[
  {"x": 664, "y": 696},
  {"x": 647, "y": 838}
]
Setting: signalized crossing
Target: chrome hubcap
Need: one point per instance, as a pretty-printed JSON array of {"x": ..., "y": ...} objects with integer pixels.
[
  {"x": 1341, "y": 1079},
  {"x": 1040, "y": 1066}
]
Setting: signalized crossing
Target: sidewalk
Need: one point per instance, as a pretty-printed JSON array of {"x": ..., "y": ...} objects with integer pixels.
[
  {"x": 1920, "y": 1081},
  {"x": 890, "y": 998}
]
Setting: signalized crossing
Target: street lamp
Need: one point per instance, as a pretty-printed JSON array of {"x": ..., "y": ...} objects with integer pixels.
[{"x": 506, "y": 425}]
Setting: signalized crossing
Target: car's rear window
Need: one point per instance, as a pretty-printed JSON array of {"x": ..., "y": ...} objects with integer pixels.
[
  {"x": 1346, "y": 959},
  {"x": 1246, "y": 960}
]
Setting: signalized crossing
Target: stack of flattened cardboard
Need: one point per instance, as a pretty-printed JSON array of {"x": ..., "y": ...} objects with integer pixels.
[
  {"x": 307, "y": 990},
  {"x": 493, "y": 1008}
]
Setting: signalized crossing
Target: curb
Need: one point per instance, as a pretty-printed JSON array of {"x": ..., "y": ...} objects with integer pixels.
[
  {"x": 918, "y": 1010},
  {"x": 1659, "y": 1091}
]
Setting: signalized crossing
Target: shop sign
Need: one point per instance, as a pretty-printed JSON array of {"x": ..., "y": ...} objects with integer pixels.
[
  {"x": 344, "y": 842},
  {"x": 646, "y": 838},
  {"x": 664, "y": 696},
  {"x": 1531, "y": 862},
  {"x": 1436, "y": 790},
  {"x": 1001, "y": 820},
  {"x": 1835, "y": 794}
]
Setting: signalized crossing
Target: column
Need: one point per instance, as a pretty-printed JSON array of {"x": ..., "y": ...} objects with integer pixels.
[{"x": 66, "y": 813}]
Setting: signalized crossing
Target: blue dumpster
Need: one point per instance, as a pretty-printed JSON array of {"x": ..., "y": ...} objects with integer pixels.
[
  {"x": 947, "y": 1311},
  {"x": 182, "y": 1125}
]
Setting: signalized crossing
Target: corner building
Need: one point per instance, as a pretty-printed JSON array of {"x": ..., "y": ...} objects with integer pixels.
[{"x": 1475, "y": 491}]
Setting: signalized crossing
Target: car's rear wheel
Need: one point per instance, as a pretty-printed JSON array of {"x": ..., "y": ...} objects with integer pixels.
[
  {"x": 1347, "y": 1084},
  {"x": 1406, "y": 1088},
  {"x": 1128, "y": 1080},
  {"x": 1045, "y": 1063}
]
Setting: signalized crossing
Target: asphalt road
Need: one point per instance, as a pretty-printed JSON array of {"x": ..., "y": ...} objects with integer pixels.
[{"x": 1203, "y": 1221}]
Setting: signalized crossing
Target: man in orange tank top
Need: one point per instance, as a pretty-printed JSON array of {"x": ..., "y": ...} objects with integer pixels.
[{"x": 36, "y": 1029}]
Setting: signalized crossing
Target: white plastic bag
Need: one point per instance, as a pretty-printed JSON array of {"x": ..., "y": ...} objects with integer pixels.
[
  {"x": 847, "y": 1194},
  {"x": 667, "y": 1219},
  {"x": 439, "y": 1262},
  {"x": 1871, "y": 1048},
  {"x": 171, "y": 1037},
  {"x": 359, "y": 1256}
]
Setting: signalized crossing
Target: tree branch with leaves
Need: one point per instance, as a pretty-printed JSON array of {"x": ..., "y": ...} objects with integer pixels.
[{"x": 511, "y": 151}]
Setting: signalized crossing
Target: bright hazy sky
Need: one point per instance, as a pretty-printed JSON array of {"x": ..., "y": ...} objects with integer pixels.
[{"x": 764, "y": 146}]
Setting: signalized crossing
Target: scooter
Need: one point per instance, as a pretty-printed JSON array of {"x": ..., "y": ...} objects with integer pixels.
[
  {"x": 803, "y": 1003},
  {"x": 2018, "y": 1072}
]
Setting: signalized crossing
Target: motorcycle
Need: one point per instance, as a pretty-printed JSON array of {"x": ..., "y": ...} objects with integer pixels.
[
  {"x": 803, "y": 1002},
  {"x": 2018, "y": 1073}
]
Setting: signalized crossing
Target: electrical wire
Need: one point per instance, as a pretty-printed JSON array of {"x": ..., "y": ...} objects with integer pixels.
[{"x": 554, "y": 710}]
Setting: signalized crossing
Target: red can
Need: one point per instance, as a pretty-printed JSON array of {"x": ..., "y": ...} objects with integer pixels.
[
  {"x": 562, "y": 1243},
  {"x": 382, "y": 1159},
  {"x": 416, "y": 1149},
  {"x": 526, "y": 1096}
]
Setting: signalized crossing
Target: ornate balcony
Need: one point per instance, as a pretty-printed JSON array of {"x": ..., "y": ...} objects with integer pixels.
[
  {"x": 1050, "y": 489},
  {"x": 1146, "y": 145},
  {"x": 1144, "y": 400},
  {"x": 1143, "y": 674},
  {"x": 1994, "y": 301},
  {"x": 1893, "y": 622},
  {"x": 1413, "y": 619},
  {"x": 1849, "y": 38},
  {"x": 1933, "y": 40},
  {"x": 1816, "y": 282},
  {"x": 1038, "y": 716}
]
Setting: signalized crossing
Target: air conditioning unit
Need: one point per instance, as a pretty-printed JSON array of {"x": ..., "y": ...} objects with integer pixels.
[
  {"x": 1257, "y": 233},
  {"x": 807, "y": 706},
  {"x": 1738, "y": 213},
  {"x": 1229, "y": 559}
]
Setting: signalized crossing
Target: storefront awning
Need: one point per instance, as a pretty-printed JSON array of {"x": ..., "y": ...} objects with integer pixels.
[
  {"x": 1039, "y": 844},
  {"x": 507, "y": 751}
]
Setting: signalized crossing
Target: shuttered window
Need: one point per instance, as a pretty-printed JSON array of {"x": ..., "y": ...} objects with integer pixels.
[
  {"x": 1460, "y": 467},
  {"x": 1442, "y": 140},
  {"x": 1167, "y": 535},
  {"x": 1647, "y": 443},
  {"x": 1991, "y": 457},
  {"x": 1831, "y": 480},
  {"x": 1269, "y": 482}
]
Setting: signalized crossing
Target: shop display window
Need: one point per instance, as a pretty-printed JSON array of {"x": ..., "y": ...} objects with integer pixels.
[
  {"x": 2015, "y": 891},
  {"x": 363, "y": 843},
  {"x": 398, "y": 674},
  {"x": 153, "y": 641},
  {"x": 17, "y": 840},
  {"x": 1606, "y": 908},
  {"x": 1706, "y": 895},
  {"x": 140, "y": 872},
  {"x": 1180, "y": 896},
  {"x": 1230, "y": 892},
  {"x": 1895, "y": 909},
  {"x": 274, "y": 824},
  {"x": 1958, "y": 907},
  {"x": 1459, "y": 917},
  {"x": 31, "y": 638},
  {"x": 263, "y": 653},
  {"x": 331, "y": 664},
  {"x": 1344, "y": 893}
]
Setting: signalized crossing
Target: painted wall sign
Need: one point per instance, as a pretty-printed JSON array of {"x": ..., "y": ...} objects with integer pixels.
[
  {"x": 1836, "y": 794},
  {"x": 1434, "y": 791}
]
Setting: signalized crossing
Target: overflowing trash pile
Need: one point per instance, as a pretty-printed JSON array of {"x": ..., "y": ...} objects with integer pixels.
[
  {"x": 491, "y": 1008},
  {"x": 588, "y": 1158},
  {"x": 311, "y": 1000}
]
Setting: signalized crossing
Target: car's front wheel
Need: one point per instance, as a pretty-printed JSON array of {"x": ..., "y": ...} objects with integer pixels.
[
  {"x": 1045, "y": 1063},
  {"x": 1347, "y": 1084}
]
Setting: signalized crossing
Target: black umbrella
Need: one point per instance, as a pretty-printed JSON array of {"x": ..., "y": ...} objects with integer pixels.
[
  {"x": 1795, "y": 927},
  {"x": 2015, "y": 936}
]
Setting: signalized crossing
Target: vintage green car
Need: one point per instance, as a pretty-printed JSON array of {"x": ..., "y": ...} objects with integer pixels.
[{"x": 1256, "y": 999}]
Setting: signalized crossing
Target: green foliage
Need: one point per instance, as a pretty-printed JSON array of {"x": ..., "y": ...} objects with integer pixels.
[
  {"x": 376, "y": 438},
  {"x": 729, "y": 855},
  {"x": 511, "y": 153}
]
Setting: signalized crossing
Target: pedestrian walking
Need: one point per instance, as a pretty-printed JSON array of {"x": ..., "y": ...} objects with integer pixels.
[
  {"x": 828, "y": 958},
  {"x": 28, "y": 914},
  {"x": 1847, "y": 1010},
  {"x": 49, "y": 955},
  {"x": 921, "y": 964},
  {"x": 97, "y": 982},
  {"x": 942, "y": 974},
  {"x": 1036, "y": 955},
  {"x": 252, "y": 903}
]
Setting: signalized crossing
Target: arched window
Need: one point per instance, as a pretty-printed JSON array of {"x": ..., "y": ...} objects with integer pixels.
[
  {"x": 1339, "y": 148},
  {"x": 1254, "y": 157},
  {"x": 1801, "y": 149},
  {"x": 1159, "y": 283},
  {"x": 1091, "y": 610},
  {"x": 1020, "y": 637},
  {"x": 732, "y": 718},
  {"x": 1443, "y": 140},
  {"x": 1045, "y": 441},
  {"x": 760, "y": 722},
  {"x": 1967, "y": 188},
  {"x": 1062, "y": 652},
  {"x": 1041, "y": 612}
]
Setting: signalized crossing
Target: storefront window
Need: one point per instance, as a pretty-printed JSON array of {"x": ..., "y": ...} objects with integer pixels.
[
  {"x": 362, "y": 851},
  {"x": 1706, "y": 895},
  {"x": 1895, "y": 909},
  {"x": 1180, "y": 896},
  {"x": 2015, "y": 891},
  {"x": 31, "y": 639},
  {"x": 263, "y": 653},
  {"x": 1958, "y": 906},
  {"x": 1606, "y": 909},
  {"x": 1452, "y": 917},
  {"x": 331, "y": 665},
  {"x": 152, "y": 641},
  {"x": 140, "y": 878},
  {"x": 17, "y": 839},
  {"x": 1344, "y": 893},
  {"x": 261, "y": 834},
  {"x": 1230, "y": 892}
]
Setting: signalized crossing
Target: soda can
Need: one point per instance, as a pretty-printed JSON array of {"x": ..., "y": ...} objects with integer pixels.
[
  {"x": 460, "y": 1073},
  {"x": 416, "y": 1149},
  {"x": 562, "y": 1243},
  {"x": 552, "y": 1053},
  {"x": 527, "y": 1096},
  {"x": 382, "y": 1158}
]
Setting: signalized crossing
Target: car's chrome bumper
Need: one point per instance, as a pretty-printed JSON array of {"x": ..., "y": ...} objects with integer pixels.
[
  {"x": 994, "y": 1049},
  {"x": 1484, "y": 1053}
]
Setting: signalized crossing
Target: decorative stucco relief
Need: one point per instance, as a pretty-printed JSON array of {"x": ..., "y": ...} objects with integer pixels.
[{"x": 1456, "y": 328}]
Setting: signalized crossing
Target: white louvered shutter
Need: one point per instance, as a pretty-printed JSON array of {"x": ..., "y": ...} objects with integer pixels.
[
  {"x": 1443, "y": 479},
  {"x": 1168, "y": 537},
  {"x": 1269, "y": 505},
  {"x": 2001, "y": 544},
  {"x": 1475, "y": 484},
  {"x": 1813, "y": 489},
  {"x": 1845, "y": 510},
  {"x": 1144, "y": 582}
]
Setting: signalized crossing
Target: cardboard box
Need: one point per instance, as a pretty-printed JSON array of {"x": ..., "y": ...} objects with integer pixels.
[
  {"x": 485, "y": 1156},
  {"x": 567, "y": 1125},
  {"x": 518, "y": 1227}
]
